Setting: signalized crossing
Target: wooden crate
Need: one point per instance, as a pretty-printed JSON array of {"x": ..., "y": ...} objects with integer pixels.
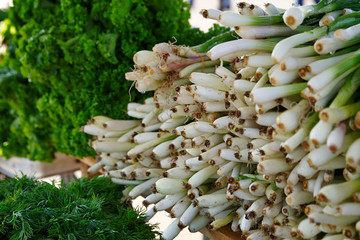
[
  {"x": 62, "y": 164},
  {"x": 224, "y": 233}
]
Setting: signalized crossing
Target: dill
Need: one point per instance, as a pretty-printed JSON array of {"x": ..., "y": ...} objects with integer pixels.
[{"x": 83, "y": 209}]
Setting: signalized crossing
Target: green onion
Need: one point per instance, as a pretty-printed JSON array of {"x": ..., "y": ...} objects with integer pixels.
[
  {"x": 323, "y": 78},
  {"x": 288, "y": 120},
  {"x": 296, "y": 155},
  {"x": 221, "y": 222},
  {"x": 335, "y": 115},
  {"x": 143, "y": 57},
  {"x": 352, "y": 155},
  {"x": 177, "y": 64},
  {"x": 348, "y": 209},
  {"x": 198, "y": 223},
  {"x": 226, "y": 48},
  {"x": 172, "y": 230},
  {"x": 272, "y": 10},
  {"x": 259, "y": 60},
  {"x": 232, "y": 19},
  {"x": 273, "y": 166},
  {"x": 168, "y": 186},
  {"x": 189, "y": 214},
  {"x": 264, "y": 94},
  {"x": 112, "y": 146},
  {"x": 348, "y": 33},
  {"x": 266, "y": 118},
  {"x": 153, "y": 198},
  {"x": 320, "y": 132},
  {"x": 330, "y": 44},
  {"x": 320, "y": 65},
  {"x": 281, "y": 49},
  {"x": 332, "y": 220},
  {"x": 125, "y": 182},
  {"x": 280, "y": 77},
  {"x": 337, "y": 193},
  {"x": 213, "y": 14},
  {"x": 329, "y": 17},
  {"x": 293, "y": 17},
  {"x": 307, "y": 229},
  {"x": 325, "y": 94},
  {"x": 206, "y": 67},
  {"x": 142, "y": 147},
  {"x": 293, "y": 63},
  {"x": 336, "y": 136},
  {"x": 141, "y": 188},
  {"x": 282, "y": 232},
  {"x": 169, "y": 200},
  {"x": 323, "y": 154},
  {"x": 350, "y": 86},
  {"x": 253, "y": 32},
  {"x": 200, "y": 177},
  {"x": 253, "y": 10},
  {"x": 208, "y": 80}
]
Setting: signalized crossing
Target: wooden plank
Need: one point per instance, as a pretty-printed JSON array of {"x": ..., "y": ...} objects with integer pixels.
[
  {"x": 89, "y": 161},
  {"x": 83, "y": 168},
  {"x": 224, "y": 233},
  {"x": 2, "y": 176},
  {"x": 16, "y": 166}
]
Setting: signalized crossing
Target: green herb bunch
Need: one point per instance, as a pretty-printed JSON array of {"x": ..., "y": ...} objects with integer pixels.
[
  {"x": 83, "y": 209},
  {"x": 74, "y": 55}
]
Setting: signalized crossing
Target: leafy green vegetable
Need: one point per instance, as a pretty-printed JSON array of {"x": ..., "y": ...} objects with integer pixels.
[
  {"x": 83, "y": 209},
  {"x": 20, "y": 116},
  {"x": 75, "y": 54}
]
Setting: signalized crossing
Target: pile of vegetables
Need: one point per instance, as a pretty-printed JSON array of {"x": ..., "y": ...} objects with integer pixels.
[
  {"x": 267, "y": 141},
  {"x": 65, "y": 62},
  {"x": 82, "y": 209}
]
